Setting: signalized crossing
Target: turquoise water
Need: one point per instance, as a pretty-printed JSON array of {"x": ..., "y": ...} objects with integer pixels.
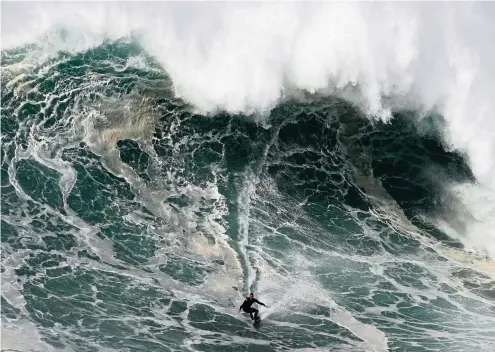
[{"x": 132, "y": 223}]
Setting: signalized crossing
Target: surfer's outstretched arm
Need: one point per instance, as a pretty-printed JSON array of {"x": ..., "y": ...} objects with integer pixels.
[{"x": 260, "y": 303}]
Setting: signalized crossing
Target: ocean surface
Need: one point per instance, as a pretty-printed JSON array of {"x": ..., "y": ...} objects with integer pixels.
[{"x": 147, "y": 187}]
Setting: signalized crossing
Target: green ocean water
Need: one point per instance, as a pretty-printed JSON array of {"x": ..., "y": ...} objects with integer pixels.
[{"x": 131, "y": 223}]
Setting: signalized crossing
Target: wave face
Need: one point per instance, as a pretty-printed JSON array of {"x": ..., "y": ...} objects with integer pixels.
[{"x": 153, "y": 173}]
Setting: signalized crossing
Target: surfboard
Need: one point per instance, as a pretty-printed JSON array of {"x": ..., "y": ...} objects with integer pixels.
[{"x": 257, "y": 321}]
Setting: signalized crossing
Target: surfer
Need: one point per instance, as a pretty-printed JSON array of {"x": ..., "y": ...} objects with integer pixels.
[{"x": 246, "y": 306}]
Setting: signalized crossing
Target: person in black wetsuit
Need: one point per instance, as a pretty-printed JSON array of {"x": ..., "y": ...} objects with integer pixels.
[{"x": 246, "y": 306}]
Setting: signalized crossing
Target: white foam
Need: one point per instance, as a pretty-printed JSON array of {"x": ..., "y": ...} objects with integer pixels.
[
  {"x": 23, "y": 336},
  {"x": 243, "y": 203},
  {"x": 474, "y": 209}
]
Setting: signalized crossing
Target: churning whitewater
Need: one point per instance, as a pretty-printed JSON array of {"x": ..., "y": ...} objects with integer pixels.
[{"x": 160, "y": 161}]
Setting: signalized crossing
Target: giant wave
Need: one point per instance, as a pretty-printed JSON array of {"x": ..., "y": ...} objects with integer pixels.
[{"x": 160, "y": 161}]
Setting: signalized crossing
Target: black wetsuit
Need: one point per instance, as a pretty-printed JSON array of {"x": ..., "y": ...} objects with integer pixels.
[{"x": 246, "y": 307}]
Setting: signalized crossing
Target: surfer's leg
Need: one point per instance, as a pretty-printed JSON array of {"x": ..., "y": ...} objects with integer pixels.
[{"x": 251, "y": 311}]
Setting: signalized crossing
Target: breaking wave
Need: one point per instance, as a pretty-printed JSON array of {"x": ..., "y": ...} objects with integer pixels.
[{"x": 160, "y": 162}]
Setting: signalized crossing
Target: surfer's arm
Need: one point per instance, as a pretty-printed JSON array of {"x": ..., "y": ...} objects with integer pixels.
[
  {"x": 242, "y": 305},
  {"x": 260, "y": 303}
]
